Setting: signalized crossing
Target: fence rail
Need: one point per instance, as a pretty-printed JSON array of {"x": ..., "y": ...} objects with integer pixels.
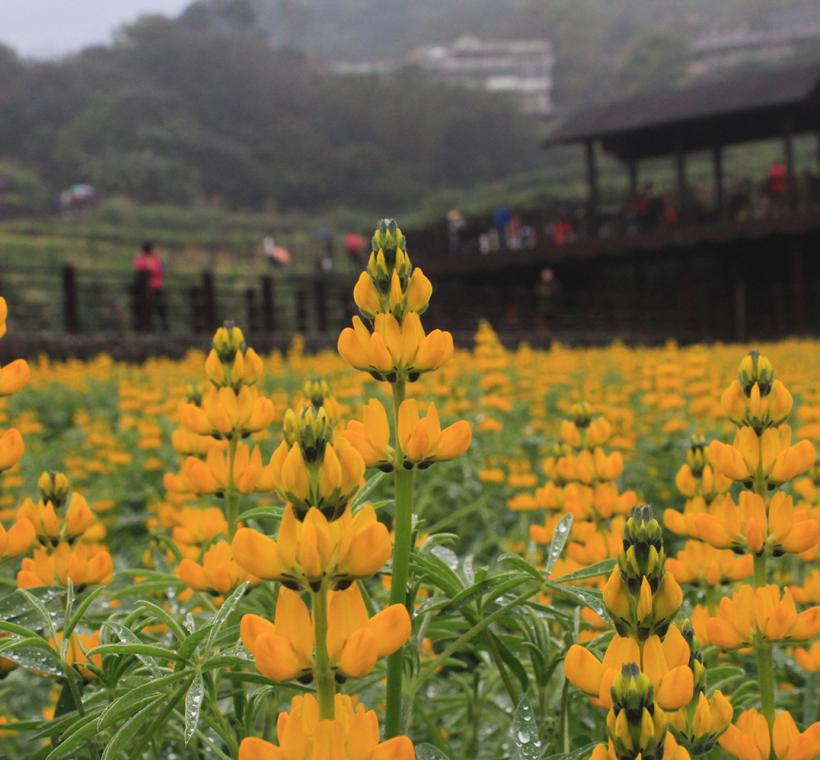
[{"x": 82, "y": 301}]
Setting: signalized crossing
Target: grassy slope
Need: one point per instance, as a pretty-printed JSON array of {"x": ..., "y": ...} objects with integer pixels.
[{"x": 231, "y": 241}]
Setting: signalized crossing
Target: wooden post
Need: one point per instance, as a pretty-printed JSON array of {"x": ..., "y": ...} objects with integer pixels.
[
  {"x": 632, "y": 169},
  {"x": 142, "y": 303},
  {"x": 250, "y": 310},
  {"x": 788, "y": 158},
  {"x": 301, "y": 311},
  {"x": 268, "y": 309},
  {"x": 70, "y": 318},
  {"x": 717, "y": 173},
  {"x": 320, "y": 294},
  {"x": 208, "y": 301},
  {"x": 683, "y": 191},
  {"x": 818, "y": 151},
  {"x": 740, "y": 311},
  {"x": 797, "y": 297},
  {"x": 592, "y": 188},
  {"x": 195, "y": 304}
]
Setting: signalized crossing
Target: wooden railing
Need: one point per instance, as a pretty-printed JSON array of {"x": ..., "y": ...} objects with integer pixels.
[{"x": 81, "y": 300}]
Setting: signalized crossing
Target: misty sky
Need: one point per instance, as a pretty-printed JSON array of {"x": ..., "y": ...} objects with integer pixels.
[{"x": 44, "y": 28}]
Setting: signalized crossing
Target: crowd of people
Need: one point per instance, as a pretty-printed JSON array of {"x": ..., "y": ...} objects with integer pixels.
[{"x": 649, "y": 208}]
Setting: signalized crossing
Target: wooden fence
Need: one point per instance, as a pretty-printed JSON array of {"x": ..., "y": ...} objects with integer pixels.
[{"x": 82, "y": 301}]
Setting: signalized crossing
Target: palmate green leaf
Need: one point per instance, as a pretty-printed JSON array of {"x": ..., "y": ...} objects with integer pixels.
[
  {"x": 559, "y": 540},
  {"x": 591, "y": 571},
  {"x": 522, "y": 564},
  {"x": 501, "y": 645},
  {"x": 149, "y": 587},
  {"x": 162, "y": 616},
  {"x": 371, "y": 484},
  {"x": 76, "y": 616},
  {"x": 429, "y": 752},
  {"x": 435, "y": 572},
  {"x": 146, "y": 650},
  {"x": 577, "y": 754},
  {"x": 60, "y": 727},
  {"x": 262, "y": 513},
  {"x": 134, "y": 696},
  {"x": 190, "y": 644},
  {"x": 524, "y": 733},
  {"x": 225, "y": 610},
  {"x": 494, "y": 586},
  {"x": 193, "y": 706},
  {"x": 16, "y": 608},
  {"x": 160, "y": 720},
  {"x": 83, "y": 730},
  {"x": 45, "y": 616},
  {"x": 587, "y": 597},
  {"x": 722, "y": 677},
  {"x": 34, "y": 653},
  {"x": 121, "y": 740},
  {"x": 126, "y": 635}
]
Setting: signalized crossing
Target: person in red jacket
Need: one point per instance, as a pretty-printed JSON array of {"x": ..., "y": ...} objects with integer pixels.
[{"x": 150, "y": 271}]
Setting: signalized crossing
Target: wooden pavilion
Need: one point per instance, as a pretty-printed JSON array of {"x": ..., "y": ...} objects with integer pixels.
[{"x": 716, "y": 279}]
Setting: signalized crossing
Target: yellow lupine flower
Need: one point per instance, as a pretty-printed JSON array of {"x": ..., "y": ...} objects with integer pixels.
[
  {"x": 11, "y": 448},
  {"x": 307, "y": 551},
  {"x": 218, "y": 573},
  {"x": 395, "y": 348},
  {"x": 13, "y": 377},
  {"x": 749, "y": 528},
  {"x": 665, "y": 664},
  {"x": 327, "y": 483},
  {"x": 17, "y": 539},
  {"x": 371, "y": 436},
  {"x": 352, "y": 735},
  {"x": 214, "y": 474},
  {"x": 749, "y": 739},
  {"x": 284, "y": 648},
  {"x": 422, "y": 440},
  {"x": 671, "y": 751},
  {"x": 50, "y": 527},
  {"x": 770, "y": 453},
  {"x": 225, "y": 412},
  {"x": 701, "y": 564},
  {"x": 760, "y": 613},
  {"x": 85, "y": 565}
]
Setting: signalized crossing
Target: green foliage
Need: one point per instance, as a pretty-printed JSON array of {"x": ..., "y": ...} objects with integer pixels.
[
  {"x": 654, "y": 60},
  {"x": 194, "y": 110}
]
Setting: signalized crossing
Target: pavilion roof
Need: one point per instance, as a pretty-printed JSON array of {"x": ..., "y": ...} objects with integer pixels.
[{"x": 754, "y": 107}]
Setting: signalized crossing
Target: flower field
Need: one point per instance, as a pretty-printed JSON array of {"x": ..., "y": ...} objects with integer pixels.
[{"x": 401, "y": 549}]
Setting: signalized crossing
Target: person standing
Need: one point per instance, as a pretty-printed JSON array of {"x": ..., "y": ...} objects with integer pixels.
[
  {"x": 455, "y": 225},
  {"x": 150, "y": 272}
]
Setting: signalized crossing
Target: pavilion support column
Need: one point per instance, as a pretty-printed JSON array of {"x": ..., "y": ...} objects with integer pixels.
[
  {"x": 592, "y": 188},
  {"x": 680, "y": 171},
  {"x": 788, "y": 159},
  {"x": 717, "y": 172},
  {"x": 797, "y": 296},
  {"x": 632, "y": 169},
  {"x": 818, "y": 151}
]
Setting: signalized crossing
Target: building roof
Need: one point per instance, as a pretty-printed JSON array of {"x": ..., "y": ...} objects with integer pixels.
[{"x": 701, "y": 116}]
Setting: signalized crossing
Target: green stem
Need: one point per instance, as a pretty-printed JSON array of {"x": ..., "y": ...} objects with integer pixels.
[
  {"x": 765, "y": 675},
  {"x": 403, "y": 529},
  {"x": 763, "y": 649},
  {"x": 322, "y": 670},
  {"x": 231, "y": 495},
  {"x": 760, "y": 571}
]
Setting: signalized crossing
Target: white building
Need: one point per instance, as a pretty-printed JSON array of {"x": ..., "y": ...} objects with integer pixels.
[
  {"x": 776, "y": 37},
  {"x": 521, "y": 69}
]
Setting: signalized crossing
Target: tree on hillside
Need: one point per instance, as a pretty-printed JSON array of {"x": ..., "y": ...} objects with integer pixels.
[{"x": 655, "y": 60}]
